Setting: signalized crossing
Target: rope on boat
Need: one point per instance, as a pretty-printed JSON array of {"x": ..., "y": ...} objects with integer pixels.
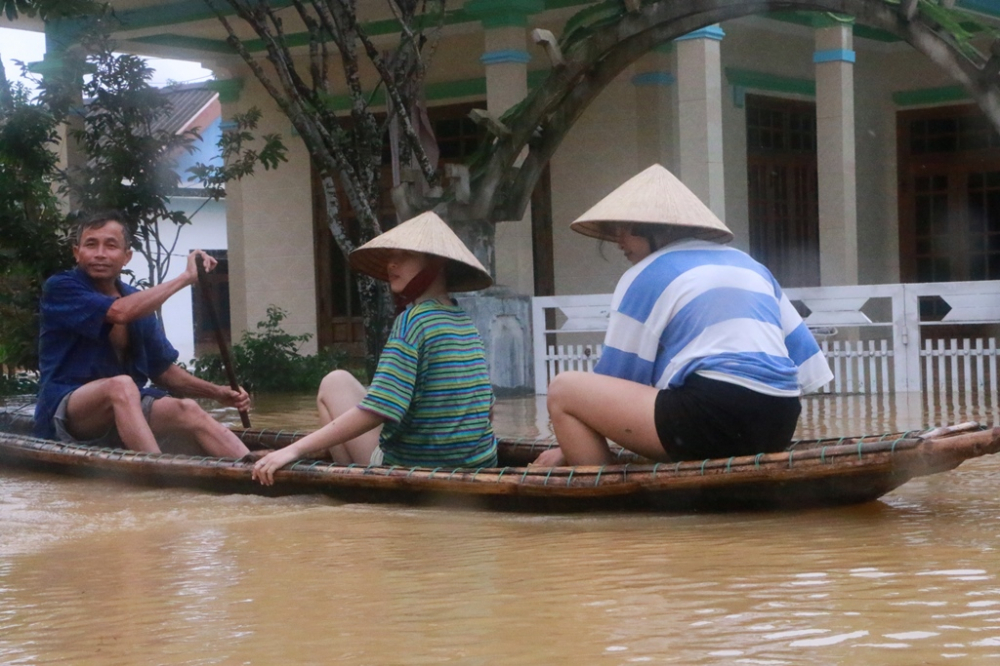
[
  {"x": 729, "y": 464},
  {"x": 597, "y": 480}
]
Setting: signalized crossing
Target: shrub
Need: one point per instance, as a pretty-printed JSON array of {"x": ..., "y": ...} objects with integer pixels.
[{"x": 268, "y": 359}]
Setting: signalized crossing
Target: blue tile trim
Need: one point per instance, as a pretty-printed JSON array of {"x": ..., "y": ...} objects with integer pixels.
[
  {"x": 834, "y": 55},
  {"x": 654, "y": 79},
  {"x": 710, "y": 32},
  {"x": 505, "y": 56}
]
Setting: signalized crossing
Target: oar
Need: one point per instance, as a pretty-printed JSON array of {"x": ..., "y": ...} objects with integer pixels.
[{"x": 227, "y": 364}]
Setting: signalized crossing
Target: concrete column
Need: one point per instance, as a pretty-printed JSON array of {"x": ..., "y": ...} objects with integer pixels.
[
  {"x": 61, "y": 40},
  {"x": 835, "y": 153},
  {"x": 229, "y": 90},
  {"x": 506, "y": 61},
  {"x": 505, "y": 58},
  {"x": 655, "y": 118},
  {"x": 699, "y": 111}
]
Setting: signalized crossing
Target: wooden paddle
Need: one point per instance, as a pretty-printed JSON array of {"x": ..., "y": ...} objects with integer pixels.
[{"x": 227, "y": 363}]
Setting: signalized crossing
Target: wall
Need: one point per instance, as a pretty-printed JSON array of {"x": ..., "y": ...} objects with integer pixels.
[
  {"x": 207, "y": 231},
  {"x": 271, "y": 230}
]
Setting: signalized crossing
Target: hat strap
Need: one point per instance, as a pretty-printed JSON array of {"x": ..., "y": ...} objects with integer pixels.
[{"x": 417, "y": 286}]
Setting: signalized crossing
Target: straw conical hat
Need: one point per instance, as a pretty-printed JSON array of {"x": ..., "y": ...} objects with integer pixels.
[
  {"x": 426, "y": 233},
  {"x": 654, "y": 196}
]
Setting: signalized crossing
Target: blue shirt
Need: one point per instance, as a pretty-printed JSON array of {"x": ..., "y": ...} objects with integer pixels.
[
  {"x": 699, "y": 307},
  {"x": 74, "y": 348}
]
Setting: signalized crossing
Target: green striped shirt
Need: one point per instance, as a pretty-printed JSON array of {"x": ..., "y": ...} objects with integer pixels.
[{"x": 433, "y": 390}]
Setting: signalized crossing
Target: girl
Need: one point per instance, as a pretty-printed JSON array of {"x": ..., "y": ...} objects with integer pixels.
[
  {"x": 430, "y": 400},
  {"x": 704, "y": 356}
]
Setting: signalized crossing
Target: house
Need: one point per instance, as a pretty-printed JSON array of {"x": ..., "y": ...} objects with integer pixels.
[
  {"x": 185, "y": 320},
  {"x": 837, "y": 153}
]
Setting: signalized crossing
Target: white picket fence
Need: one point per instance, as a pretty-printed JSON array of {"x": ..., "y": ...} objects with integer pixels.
[{"x": 871, "y": 335}]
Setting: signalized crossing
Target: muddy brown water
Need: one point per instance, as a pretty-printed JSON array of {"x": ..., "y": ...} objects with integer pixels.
[{"x": 93, "y": 572}]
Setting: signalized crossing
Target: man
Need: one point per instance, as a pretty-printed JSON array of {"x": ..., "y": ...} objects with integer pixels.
[{"x": 101, "y": 342}]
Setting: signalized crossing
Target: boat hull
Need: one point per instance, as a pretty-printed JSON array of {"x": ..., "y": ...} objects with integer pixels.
[{"x": 813, "y": 473}]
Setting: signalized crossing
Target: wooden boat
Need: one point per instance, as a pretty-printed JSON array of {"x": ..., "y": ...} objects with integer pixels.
[{"x": 825, "y": 472}]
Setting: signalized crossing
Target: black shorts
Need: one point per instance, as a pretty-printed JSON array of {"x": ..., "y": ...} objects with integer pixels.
[{"x": 706, "y": 418}]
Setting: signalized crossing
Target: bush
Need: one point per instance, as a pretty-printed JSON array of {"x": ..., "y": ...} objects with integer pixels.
[{"x": 268, "y": 359}]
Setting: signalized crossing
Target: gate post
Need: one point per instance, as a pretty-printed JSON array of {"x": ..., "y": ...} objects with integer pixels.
[{"x": 906, "y": 339}]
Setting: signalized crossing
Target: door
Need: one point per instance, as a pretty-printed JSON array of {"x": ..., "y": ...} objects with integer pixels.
[
  {"x": 949, "y": 195},
  {"x": 782, "y": 188}
]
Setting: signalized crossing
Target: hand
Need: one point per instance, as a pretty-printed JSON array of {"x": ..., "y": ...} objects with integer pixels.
[
  {"x": 264, "y": 469},
  {"x": 191, "y": 271},
  {"x": 550, "y": 458},
  {"x": 238, "y": 399}
]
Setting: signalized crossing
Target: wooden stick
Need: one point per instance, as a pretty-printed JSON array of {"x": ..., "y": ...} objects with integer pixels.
[{"x": 220, "y": 339}]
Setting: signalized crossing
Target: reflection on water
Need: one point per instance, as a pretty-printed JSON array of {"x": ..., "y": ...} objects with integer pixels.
[{"x": 93, "y": 572}]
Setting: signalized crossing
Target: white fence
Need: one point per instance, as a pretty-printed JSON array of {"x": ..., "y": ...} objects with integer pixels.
[{"x": 871, "y": 335}]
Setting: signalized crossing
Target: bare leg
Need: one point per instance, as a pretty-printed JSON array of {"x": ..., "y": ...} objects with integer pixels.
[
  {"x": 587, "y": 409},
  {"x": 96, "y": 406},
  {"x": 176, "y": 416},
  {"x": 338, "y": 392}
]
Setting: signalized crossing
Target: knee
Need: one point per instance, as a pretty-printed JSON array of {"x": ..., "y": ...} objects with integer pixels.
[
  {"x": 561, "y": 389},
  {"x": 336, "y": 379},
  {"x": 338, "y": 383},
  {"x": 122, "y": 390},
  {"x": 184, "y": 410}
]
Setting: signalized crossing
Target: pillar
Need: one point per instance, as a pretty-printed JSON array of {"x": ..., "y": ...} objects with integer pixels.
[
  {"x": 505, "y": 59},
  {"x": 699, "y": 111},
  {"x": 654, "y": 84},
  {"x": 835, "y": 153}
]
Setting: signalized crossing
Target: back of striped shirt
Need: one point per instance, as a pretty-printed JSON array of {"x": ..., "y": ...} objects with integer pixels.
[
  {"x": 433, "y": 389},
  {"x": 697, "y": 306}
]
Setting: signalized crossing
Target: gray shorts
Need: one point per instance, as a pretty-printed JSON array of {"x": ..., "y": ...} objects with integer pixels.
[{"x": 110, "y": 439}]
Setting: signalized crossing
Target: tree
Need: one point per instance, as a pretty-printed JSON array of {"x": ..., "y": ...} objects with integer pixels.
[
  {"x": 128, "y": 165},
  {"x": 345, "y": 149},
  {"x": 31, "y": 222},
  {"x": 32, "y": 225},
  {"x": 132, "y": 159}
]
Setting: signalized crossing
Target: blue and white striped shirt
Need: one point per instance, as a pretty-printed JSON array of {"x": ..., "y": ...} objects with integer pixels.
[{"x": 699, "y": 307}]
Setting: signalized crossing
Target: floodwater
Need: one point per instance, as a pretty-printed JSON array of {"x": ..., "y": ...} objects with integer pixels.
[{"x": 93, "y": 572}]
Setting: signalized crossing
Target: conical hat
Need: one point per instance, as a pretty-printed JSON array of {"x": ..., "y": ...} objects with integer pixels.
[
  {"x": 654, "y": 196},
  {"x": 429, "y": 234}
]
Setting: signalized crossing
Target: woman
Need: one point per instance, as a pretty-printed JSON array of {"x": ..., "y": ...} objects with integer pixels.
[
  {"x": 704, "y": 356},
  {"x": 430, "y": 400}
]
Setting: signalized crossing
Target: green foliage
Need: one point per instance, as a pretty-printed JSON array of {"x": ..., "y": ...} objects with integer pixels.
[
  {"x": 46, "y": 9},
  {"x": 32, "y": 228},
  {"x": 268, "y": 359},
  {"x": 132, "y": 160}
]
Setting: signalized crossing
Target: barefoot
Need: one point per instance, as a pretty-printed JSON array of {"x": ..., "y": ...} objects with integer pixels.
[{"x": 550, "y": 458}]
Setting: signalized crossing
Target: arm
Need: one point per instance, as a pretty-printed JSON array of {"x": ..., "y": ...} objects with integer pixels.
[
  {"x": 347, "y": 426},
  {"x": 135, "y": 306},
  {"x": 181, "y": 382}
]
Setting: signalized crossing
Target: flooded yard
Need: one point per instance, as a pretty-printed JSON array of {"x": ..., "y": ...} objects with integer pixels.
[{"x": 93, "y": 572}]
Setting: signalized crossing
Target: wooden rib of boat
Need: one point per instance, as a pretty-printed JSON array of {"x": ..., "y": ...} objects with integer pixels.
[{"x": 825, "y": 472}]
